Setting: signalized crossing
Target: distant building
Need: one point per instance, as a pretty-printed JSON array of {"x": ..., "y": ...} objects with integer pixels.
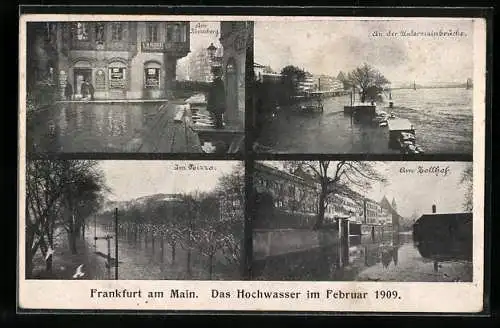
[
  {"x": 329, "y": 83},
  {"x": 202, "y": 61},
  {"x": 122, "y": 60},
  {"x": 265, "y": 74},
  {"x": 307, "y": 84}
]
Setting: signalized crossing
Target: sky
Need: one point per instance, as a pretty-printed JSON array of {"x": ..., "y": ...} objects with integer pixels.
[
  {"x": 415, "y": 192},
  {"x": 326, "y": 47},
  {"x": 132, "y": 179}
]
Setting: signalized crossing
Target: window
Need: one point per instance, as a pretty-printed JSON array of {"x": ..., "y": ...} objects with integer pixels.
[
  {"x": 152, "y": 32},
  {"x": 117, "y": 77},
  {"x": 99, "y": 32},
  {"x": 116, "y": 31},
  {"x": 80, "y": 31},
  {"x": 152, "y": 78},
  {"x": 176, "y": 32}
]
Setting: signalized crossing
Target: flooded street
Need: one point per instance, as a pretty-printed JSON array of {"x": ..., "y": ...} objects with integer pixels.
[
  {"x": 109, "y": 127},
  {"x": 442, "y": 119},
  {"x": 146, "y": 259},
  {"x": 387, "y": 258}
]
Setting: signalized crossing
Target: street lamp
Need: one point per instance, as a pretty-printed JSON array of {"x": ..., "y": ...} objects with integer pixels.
[{"x": 211, "y": 50}]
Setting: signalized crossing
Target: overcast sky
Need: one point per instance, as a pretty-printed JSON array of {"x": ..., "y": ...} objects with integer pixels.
[
  {"x": 413, "y": 191},
  {"x": 132, "y": 179},
  {"x": 326, "y": 47}
]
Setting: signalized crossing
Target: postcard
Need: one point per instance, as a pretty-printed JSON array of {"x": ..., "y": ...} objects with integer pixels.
[{"x": 319, "y": 228}]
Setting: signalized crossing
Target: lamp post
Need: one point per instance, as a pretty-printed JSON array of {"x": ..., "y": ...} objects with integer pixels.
[{"x": 211, "y": 51}]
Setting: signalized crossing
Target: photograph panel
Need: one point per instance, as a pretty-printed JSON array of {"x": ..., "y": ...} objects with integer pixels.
[
  {"x": 366, "y": 86},
  {"x": 133, "y": 220},
  {"x": 363, "y": 221},
  {"x": 135, "y": 86}
]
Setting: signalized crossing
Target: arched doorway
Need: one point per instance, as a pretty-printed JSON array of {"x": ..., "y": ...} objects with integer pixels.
[{"x": 231, "y": 77}]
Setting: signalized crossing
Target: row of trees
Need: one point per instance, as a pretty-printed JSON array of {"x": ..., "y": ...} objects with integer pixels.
[
  {"x": 60, "y": 194},
  {"x": 210, "y": 222}
]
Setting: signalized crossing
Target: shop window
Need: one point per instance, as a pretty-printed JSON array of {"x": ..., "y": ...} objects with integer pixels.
[
  {"x": 117, "y": 77},
  {"x": 152, "y": 32},
  {"x": 99, "y": 32},
  {"x": 116, "y": 31},
  {"x": 80, "y": 31},
  {"x": 176, "y": 32},
  {"x": 152, "y": 78}
]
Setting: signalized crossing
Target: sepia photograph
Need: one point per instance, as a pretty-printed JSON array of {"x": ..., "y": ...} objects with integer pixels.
[
  {"x": 136, "y": 86},
  {"x": 364, "y": 86},
  {"x": 133, "y": 220},
  {"x": 363, "y": 221}
]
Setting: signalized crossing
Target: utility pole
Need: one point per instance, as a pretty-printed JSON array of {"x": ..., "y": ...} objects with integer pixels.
[{"x": 116, "y": 243}]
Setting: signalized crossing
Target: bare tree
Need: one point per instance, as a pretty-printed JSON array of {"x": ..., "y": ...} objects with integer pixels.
[
  {"x": 50, "y": 186},
  {"x": 367, "y": 79},
  {"x": 337, "y": 178},
  {"x": 82, "y": 196},
  {"x": 231, "y": 193}
]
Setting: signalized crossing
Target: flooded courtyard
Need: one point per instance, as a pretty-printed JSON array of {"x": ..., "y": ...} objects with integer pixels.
[{"x": 362, "y": 258}]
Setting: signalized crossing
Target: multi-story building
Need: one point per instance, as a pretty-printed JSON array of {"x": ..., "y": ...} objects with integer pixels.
[
  {"x": 202, "y": 61},
  {"x": 122, "y": 60},
  {"x": 371, "y": 211},
  {"x": 290, "y": 192},
  {"x": 329, "y": 83},
  {"x": 346, "y": 207},
  {"x": 307, "y": 84},
  {"x": 392, "y": 210},
  {"x": 265, "y": 74}
]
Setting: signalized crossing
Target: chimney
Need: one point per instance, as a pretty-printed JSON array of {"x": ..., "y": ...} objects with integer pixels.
[{"x": 433, "y": 208}]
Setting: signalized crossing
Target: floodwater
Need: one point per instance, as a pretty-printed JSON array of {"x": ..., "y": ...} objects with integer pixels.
[
  {"x": 442, "y": 119},
  {"x": 385, "y": 258},
  {"x": 145, "y": 260},
  {"x": 90, "y": 127}
]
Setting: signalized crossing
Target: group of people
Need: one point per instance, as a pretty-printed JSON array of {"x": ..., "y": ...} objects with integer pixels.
[{"x": 86, "y": 89}]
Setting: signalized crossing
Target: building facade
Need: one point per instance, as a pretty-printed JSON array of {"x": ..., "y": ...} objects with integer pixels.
[
  {"x": 122, "y": 60},
  {"x": 237, "y": 42},
  {"x": 329, "y": 83},
  {"x": 308, "y": 84},
  {"x": 201, "y": 63},
  {"x": 290, "y": 192}
]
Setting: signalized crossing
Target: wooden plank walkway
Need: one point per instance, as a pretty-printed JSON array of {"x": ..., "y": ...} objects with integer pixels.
[{"x": 168, "y": 135}]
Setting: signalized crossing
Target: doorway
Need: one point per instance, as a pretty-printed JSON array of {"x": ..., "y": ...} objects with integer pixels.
[{"x": 80, "y": 75}]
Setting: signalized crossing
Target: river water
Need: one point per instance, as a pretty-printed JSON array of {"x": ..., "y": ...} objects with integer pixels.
[
  {"x": 386, "y": 258},
  {"x": 442, "y": 119}
]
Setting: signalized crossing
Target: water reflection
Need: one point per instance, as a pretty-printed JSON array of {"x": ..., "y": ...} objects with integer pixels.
[
  {"x": 82, "y": 127},
  {"x": 391, "y": 257}
]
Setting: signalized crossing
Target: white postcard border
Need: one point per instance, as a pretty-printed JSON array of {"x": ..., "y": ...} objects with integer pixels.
[{"x": 415, "y": 297}]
